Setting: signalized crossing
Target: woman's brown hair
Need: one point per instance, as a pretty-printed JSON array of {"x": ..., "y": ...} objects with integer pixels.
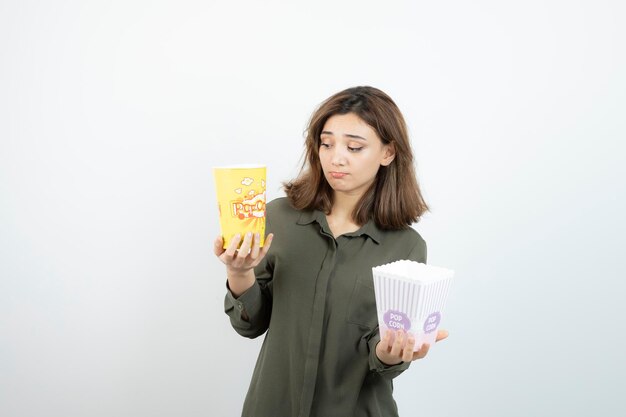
[{"x": 394, "y": 199}]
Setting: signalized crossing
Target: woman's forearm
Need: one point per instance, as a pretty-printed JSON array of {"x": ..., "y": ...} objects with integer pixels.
[{"x": 239, "y": 282}]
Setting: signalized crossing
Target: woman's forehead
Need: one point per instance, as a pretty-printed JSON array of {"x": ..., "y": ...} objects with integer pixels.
[{"x": 350, "y": 125}]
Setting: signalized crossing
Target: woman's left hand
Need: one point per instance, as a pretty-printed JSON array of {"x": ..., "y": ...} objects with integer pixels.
[{"x": 401, "y": 349}]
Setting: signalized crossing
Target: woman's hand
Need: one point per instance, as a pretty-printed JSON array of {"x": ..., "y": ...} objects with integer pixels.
[
  {"x": 249, "y": 255},
  {"x": 401, "y": 350},
  {"x": 240, "y": 262}
]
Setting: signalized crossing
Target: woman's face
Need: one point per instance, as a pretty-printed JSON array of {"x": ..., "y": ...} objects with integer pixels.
[{"x": 351, "y": 154}]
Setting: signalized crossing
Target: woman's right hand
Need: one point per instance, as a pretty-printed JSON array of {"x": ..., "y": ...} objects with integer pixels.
[{"x": 239, "y": 261}]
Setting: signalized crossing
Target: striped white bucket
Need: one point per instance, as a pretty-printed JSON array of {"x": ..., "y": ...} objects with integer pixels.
[{"x": 411, "y": 296}]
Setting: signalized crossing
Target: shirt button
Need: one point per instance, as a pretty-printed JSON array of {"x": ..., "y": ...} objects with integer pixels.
[{"x": 240, "y": 306}]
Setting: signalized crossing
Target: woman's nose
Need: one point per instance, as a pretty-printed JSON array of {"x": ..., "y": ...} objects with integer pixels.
[{"x": 338, "y": 158}]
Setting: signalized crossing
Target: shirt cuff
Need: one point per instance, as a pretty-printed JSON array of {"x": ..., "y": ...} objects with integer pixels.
[
  {"x": 390, "y": 371},
  {"x": 245, "y": 306}
]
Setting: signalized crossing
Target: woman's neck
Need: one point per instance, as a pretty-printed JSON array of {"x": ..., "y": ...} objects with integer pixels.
[{"x": 340, "y": 218}]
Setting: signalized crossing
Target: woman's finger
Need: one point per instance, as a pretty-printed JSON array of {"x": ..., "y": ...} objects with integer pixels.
[
  {"x": 266, "y": 246},
  {"x": 386, "y": 341},
  {"x": 218, "y": 246},
  {"x": 407, "y": 354},
  {"x": 243, "y": 252},
  {"x": 441, "y": 334},
  {"x": 244, "y": 249},
  {"x": 398, "y": 344},
  {"x": 254, "y": 253},
  {"x": 232, "y": 248},
  {"x": 422, "y": 352}
]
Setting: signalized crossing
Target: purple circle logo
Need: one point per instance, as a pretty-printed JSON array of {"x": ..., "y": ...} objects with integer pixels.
[
  {"x": 432, "y": 322},
  {"x": 397, "y": 320}
]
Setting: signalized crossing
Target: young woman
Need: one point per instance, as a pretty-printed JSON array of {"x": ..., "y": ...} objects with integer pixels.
[{"x": 310, "y": 287}]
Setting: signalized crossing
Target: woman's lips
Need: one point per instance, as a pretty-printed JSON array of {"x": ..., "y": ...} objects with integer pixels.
[{"x": 338, "y": 174}]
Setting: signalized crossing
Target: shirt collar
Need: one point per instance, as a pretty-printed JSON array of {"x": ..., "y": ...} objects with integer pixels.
[{"x": 369, "y": 229}]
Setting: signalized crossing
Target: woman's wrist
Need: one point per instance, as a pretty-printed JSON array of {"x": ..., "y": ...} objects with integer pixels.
[{"x": 240, "y": 281}]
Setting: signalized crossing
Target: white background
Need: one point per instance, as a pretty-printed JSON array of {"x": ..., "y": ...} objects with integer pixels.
[{"x": 112, "y": 114}]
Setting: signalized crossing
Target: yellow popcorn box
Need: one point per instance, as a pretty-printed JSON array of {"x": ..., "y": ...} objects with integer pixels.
[{"x": 240, "y": 200}]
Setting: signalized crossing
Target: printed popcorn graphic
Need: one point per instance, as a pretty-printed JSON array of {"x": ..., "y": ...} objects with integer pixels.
[
  {"x": 252, "y": 206},
  {"x": 249, "y": 208}
]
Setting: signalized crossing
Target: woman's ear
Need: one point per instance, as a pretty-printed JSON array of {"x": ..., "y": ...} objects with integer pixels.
[{"x": 389, "y": 154}]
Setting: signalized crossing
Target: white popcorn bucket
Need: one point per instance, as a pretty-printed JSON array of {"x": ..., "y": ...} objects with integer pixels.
[{"x": 411, "y": 296}]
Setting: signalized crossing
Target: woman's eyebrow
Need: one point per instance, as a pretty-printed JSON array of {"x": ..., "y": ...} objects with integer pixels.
[
  {"x": 327, "y": 132},
  {"x": 355, "y": 136}
]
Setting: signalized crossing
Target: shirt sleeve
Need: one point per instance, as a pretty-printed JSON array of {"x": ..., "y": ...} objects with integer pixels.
[
  {"x": 387, "y": 371},
  {"x": 418, "y": 254},
  {"x": 250, "y": 312}
]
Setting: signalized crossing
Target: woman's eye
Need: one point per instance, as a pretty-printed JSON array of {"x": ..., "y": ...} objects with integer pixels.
[
  {"x": 324, "y": 145},
  {"x": 354, "y": 149}
]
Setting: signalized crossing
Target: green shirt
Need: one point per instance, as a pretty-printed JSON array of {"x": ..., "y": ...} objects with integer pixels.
[{"x": 314, "y": 295}]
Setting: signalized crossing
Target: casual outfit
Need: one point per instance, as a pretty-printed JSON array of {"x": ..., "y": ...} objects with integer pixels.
[{"x": 314, "y": 295}]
